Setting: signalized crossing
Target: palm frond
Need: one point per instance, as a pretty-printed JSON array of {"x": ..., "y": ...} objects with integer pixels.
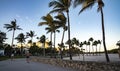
[
  {"x": 77, "y": 2},
  {"x": 87, "y": 4}
]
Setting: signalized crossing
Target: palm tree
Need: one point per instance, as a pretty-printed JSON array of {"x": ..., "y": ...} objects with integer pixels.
[
  {"x": 81, "y": 45},
  {"x": 21, "y": 39},
  {"x": 30, "y": 34},
  {"x": 95, "y": 43},
  {"x": 61, "y": 20},
  {"x": 88, "y": 4},
  {"x": 12, "y": 26},
  {"x": 62, "y": 6},
  {"x": 48, "y": 20},
  {"x": 99, "y": 42},
  {"x": 2, "y": 37},
  {"x": 85, "y": 43},
  {"x": 62, "y": 23},
  {"x": 43, "y": 40},
  {"x": 52, "y": 26},
  {"x": 118, "y": 44},
  {"x": 88, "y": 43},
  {"x": 91, "y": 42}
]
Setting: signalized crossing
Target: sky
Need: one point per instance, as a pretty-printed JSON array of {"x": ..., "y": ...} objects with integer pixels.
[{"x": 28, "y": 14}]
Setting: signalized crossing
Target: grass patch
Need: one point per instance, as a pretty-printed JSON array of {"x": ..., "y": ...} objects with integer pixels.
[
  {"x": 3, "y": 58},
  {"x": 7, "y": 57}
]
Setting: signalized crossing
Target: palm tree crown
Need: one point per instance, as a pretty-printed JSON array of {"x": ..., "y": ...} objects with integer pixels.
[
  {"x": 12, "y": 26},
  {"x": 62, "y": 6}
]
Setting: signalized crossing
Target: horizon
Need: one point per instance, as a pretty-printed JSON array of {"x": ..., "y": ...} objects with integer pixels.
[{"x": 28, "y": 14}]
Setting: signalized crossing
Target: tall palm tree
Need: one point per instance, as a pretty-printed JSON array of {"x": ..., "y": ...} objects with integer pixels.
[
  {"x": 81, "y": 45},
  {"x": 12, "y": 27},
  {"x": 61, "y": 20},
  {"x": 21, "y": 39},
  {"x": 85, "y": 43},
  {"x": 95, "y": 43},
  {"x": 99, "y": 42},
  {"x": 52, "y": 26},
  {"x": 88, "y": 4},
  {"x": 43, "y": 40},
  {"x": 48, "y": 20},
  {"x": 88, "y": 43},
  {"x": 91, "y": 42},
  {"x": 62, "y": 23},
  {"x": 62, "y": 6},
  {"x": 30, "y": 34}
]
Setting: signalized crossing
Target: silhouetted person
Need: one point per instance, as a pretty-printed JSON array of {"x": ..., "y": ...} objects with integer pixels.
[
  {"x": 27, "y": 56},
  {"x": 12, "y": 55}
]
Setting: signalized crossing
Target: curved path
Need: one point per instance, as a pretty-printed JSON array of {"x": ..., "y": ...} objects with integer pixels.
[{"x": 22, "y": 65}]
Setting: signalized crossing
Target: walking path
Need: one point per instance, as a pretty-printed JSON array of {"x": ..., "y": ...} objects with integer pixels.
[{"x": 22, "y": 65}]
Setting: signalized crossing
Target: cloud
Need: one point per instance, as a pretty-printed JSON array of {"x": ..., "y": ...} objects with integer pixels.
[
  {"x": 19, "y": 17},
  {"x": 28, "y": 19}
]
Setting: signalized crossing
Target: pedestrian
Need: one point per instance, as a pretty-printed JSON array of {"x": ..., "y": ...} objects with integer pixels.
[
  {"x": 12, "y": 56},
  {"x": 27, "y": 56}
]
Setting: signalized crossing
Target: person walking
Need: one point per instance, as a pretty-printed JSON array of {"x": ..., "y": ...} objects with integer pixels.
[
  {"x": 28, "y": 57},
  {"x": 12, "y": 56}
]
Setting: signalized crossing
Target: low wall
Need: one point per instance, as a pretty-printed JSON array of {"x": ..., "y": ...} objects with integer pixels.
[{"x": 80, "y": 65}]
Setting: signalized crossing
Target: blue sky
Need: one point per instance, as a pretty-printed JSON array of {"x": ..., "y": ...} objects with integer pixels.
[{"x": 88, "y": 24}]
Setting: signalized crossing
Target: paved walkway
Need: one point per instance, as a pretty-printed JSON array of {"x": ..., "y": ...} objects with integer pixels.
[{"x": 22, "y": 65}]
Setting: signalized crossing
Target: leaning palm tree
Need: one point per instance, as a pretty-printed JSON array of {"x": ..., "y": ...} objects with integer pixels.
[
  {"x": 30, "y": 34},
  {"x": 61, "y": 20},
  {"x": 12, "y": 26},
  {"x": 62, "y": 6},
  {"x": 88, "y": 4},
  {"x": 52, "y": 26},
  {"x": 48, "y": 21},
  {"x": 21, "y": 39}
]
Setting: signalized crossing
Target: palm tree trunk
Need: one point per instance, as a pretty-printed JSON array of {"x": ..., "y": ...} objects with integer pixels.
[
  {"x": 61, "y": 44},
  {"x": 92, "y": 48},
  {"x": 63, "y": 36},
  {"x": 103, "y": 34},
  {"x": 99, "y": 49},
  {"x": 69, "y": 34},
  {"x": 13, "y": 38},
  {"x": 86, "y": 50},
  {"x": 44, "y": 49},
  {"x": 89, "y": 49},
  {"x": 51, "y": 44},
  {"x": 54, "y": 45},
  {"x": 96, "y": 49},
  {"x": 32, "y": 41},
  {"x": 21, "y": 49}
]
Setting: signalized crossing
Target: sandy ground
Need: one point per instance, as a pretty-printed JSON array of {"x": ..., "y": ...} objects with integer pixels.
[{"x": 101, "y": 58}]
